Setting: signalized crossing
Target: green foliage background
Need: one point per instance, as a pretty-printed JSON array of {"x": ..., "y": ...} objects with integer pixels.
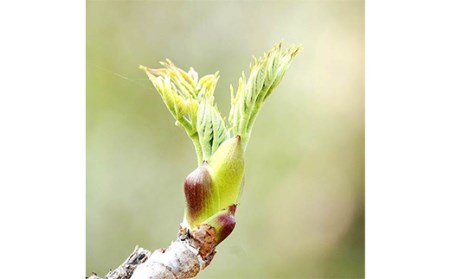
[{"x": 302, "y": 210}]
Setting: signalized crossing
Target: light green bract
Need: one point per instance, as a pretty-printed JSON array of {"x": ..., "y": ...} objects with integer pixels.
[{"x": 219, "y": 142}]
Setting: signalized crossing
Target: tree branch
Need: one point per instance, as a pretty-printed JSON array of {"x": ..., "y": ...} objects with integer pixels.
[{"x": 184, "y": 258}]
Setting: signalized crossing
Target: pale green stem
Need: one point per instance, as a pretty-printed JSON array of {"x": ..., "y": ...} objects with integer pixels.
[
  {"x": 195, "y": 139},
  {"x": 198, "y": 149}
]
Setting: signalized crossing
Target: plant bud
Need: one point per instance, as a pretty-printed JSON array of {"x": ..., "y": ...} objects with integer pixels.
[
  {"x": 198, "y": 190},
  {"x": 223, "y": 222},
  {"x": 227, "y": 165}
]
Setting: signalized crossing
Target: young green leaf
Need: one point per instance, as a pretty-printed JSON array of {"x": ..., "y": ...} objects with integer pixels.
[
  {"x": 265, "y": 75},
  {"x": 191, "y": 103}
]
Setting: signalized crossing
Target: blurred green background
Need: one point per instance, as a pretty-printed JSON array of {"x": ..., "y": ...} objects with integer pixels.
[{"x": 302, "y": 211}]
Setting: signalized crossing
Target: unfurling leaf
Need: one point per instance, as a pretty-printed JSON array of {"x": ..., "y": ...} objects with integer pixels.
[{"x": 265, "y": 75}]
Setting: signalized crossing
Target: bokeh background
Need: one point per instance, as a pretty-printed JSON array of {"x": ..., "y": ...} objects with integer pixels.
[{"x": 302, "y": 210}]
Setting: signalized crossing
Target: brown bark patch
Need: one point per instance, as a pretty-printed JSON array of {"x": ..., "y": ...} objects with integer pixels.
[{"x": 204, "y": 237}]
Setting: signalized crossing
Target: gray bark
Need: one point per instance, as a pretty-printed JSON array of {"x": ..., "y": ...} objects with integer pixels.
[{"x": 184, "y": 258}]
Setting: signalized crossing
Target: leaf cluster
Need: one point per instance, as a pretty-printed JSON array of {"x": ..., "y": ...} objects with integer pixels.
[{"x": 190, "y": 100}]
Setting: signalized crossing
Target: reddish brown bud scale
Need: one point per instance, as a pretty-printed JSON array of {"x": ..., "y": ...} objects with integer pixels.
[
  {"x": 223, "y": 222},
  {"x": 199, "y": 195},
  {"x": 228, "y": 223}
]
